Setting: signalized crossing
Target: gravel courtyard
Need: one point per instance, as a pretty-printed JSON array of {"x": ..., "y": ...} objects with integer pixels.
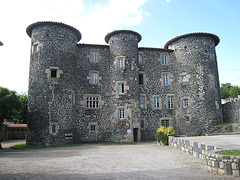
[{"x": 96, "y": 161}]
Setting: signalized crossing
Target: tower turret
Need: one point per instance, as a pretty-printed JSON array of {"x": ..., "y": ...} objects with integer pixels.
[
  {"x": 51, "y": 83},
  {"x": 197, "y": 82},
  {"x": 125, "y": 84}
]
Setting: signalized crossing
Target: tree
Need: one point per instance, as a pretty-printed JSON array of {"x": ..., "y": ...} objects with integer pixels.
[
  {"x": 9, "y": 105},
  {"x": 224, "y": 90},
  {"x": 234, "y": 91}
]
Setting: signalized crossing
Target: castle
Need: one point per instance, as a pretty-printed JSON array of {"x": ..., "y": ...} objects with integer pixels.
[{"x": 119, "y": 92}]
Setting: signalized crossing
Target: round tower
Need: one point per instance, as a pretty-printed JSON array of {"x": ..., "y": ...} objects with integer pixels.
[
  {"x": 125, "y": 118},
  {"x": 197, "y": 82},
  {"x": 51, "y": 83}
]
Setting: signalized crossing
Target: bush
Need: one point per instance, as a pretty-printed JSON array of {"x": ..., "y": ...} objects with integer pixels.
[{"x": 163, "y": 133}]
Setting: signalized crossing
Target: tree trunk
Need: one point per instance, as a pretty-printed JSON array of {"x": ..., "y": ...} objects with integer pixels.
[{"x": 0, "y": 145}]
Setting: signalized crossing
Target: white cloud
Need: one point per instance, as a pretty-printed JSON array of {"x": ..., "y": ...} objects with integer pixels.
[
  {"x": 112, "y": 15},
  {"x": 93, "y": 23},
  {"x": 146, "y": 13},
  {"x": 168, "y": 0}
]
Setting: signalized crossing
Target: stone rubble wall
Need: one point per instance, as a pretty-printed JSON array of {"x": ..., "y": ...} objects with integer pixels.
[
  {"x": 231, "y": 112},
  {"x": 220, "y": 164}
]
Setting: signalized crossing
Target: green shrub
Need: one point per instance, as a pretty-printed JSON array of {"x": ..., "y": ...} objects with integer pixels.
[{"x": 163, "y": 133}]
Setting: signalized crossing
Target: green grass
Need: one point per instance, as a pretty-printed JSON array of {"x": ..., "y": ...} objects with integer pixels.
[
  {"x": 230, "y": 152},
  {"x": 224, "y": 124},
  {"x": 25, "y": 146}
]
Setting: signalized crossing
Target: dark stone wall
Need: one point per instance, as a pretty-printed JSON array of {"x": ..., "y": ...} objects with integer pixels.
[
  {"x": 231, "y": 112},
  {"x": 49, "y": 101},
  {"x": 124, "y": 44},
  {"x": 196, "y": 57},
  {"x": 61, "y": 101}
]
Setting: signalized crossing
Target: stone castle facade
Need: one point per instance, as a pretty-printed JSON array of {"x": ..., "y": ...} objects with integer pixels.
[{"x": 118, "y": 92}]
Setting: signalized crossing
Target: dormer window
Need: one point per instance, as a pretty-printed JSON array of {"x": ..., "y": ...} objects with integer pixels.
[{"x": 120, "y": 63}]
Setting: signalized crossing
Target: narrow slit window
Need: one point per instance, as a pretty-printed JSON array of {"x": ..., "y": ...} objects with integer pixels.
[
  {"x": 142, "y": 102},
  {"x": 140, "y": 58},
  {"x": 140, "y": 78}
]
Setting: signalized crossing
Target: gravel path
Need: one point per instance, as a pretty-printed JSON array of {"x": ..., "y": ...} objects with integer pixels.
[{"x": 140, "y": 161}]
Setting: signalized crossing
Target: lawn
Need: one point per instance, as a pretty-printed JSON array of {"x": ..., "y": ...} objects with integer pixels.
[{"x": 230, "y": 152}]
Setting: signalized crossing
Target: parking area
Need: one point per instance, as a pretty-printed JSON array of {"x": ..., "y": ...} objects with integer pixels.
[{"x": 96, "y": 161}]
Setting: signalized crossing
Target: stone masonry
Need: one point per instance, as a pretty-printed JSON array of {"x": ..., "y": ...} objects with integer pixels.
[{"x": 118, "y": 92}]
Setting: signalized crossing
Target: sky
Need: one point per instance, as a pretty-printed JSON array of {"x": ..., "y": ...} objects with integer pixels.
[{"x": 157, "y": 21}]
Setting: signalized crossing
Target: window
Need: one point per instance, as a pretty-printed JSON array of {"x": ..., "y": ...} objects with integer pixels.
[
  {"x": 92, "y": 128},
  {"x": 184, "y": 78},
  {"x": 120, "y": 63},
  {"x": 142, "y": 124},
  {"x": 35, "y": 48},
  {"x": 120, "y": 88},
  {"x": 92, "y": 102},
  {"x": 140, "y": 78},
  {"x": 94, "y": 78},
  {"x": 54, "y": 128},
  {"x": 170, "y": 102},
  {"x": 156, "y": 102},
  {"x": 142, "y": 102},
  {"x": 165, "y": 79},
  {"x": 164, "y": 59},
  {"x": 185, "y": 103},
  {"x": 140, "y": 58},
  {"x": 165, "y": 123},
  {"x": 94, "y": 57},
  {"x": 121, "y": 114},
  {"x": 53, "y": 73}
]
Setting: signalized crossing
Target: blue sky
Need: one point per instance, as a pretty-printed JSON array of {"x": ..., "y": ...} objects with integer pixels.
[{"x": 156, "y": 20}]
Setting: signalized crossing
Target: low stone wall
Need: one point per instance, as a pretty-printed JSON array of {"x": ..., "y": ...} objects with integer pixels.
[
  {"x": 231, "y": 112},
  {"x": 220, "y": 164}
]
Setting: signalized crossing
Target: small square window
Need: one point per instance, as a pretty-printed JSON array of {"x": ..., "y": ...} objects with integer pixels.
[
  {"x": 165, "y": 123},
  {"x": 140, "y": 78},
  {"x": 120, "y": 63},
  {"x": 140, "y": 58},
  {"x": 142, "y": 102},
  {"x": 92, "y": 128},
  {"x": 164, "y": 59},
  {"x": 165, "y": 79},
  {"x": 120, "y": 88},
  {"x": 185, "y": 103},
  {"x": 35, "y": 48},
  {"x": 53, "y": 73},
  {"x": 184, "y": 78},
  {"x": 94, "y": 57},
  {"x": 156, "y": 102},
  {"x": 121, "y": 114}
]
